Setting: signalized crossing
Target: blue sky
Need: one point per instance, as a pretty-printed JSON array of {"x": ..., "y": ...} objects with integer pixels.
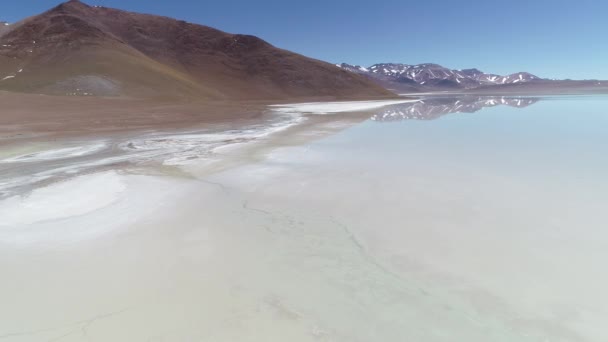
[{"x": 557, "y": 38}]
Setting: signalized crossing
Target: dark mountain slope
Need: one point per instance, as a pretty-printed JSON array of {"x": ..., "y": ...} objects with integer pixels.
[{"x": 79, "y": 49}]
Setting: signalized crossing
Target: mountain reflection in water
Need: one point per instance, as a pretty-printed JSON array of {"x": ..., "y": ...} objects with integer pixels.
[{"x": 434, "y": 107}]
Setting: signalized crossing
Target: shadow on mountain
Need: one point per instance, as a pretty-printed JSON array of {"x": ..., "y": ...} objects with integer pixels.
[{"x": 433, "y": 108}]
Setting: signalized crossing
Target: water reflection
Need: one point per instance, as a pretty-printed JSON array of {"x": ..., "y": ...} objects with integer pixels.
[{"x": 434, "y": 107}]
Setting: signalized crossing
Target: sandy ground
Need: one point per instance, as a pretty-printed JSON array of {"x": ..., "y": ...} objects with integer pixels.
[
  {"x": 28, "y": 116},
  {"x": 309, "y": 228}
]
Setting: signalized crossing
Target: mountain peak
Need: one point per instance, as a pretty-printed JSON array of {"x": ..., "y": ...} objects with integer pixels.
[
  {"x": 472, "y": 71},
  {"x": 70, "y": 5}
]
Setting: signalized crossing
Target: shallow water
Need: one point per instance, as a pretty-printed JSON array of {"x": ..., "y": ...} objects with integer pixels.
[{"x": 449, "y": 219}]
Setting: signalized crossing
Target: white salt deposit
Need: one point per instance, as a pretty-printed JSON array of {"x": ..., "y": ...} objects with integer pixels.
[
  {"x": 181, "y": 149},
  {"x": 58, "y": 153},
  {"x": 334, "y": 107},
  {"x": 78, "y": 196}
]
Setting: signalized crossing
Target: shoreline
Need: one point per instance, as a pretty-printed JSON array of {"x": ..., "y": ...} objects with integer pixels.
[
  {"x": 30, "y": 116},
  {"x": 48, "y": 159},
  {"x": 47, "y": 170}
]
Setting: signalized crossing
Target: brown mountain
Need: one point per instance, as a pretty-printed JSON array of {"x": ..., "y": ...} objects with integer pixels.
[{"x": 77, "y": 49}]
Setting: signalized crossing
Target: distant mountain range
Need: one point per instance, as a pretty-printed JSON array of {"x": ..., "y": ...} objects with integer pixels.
[
  {"x": 437, "y": 75},
  {"x": 433, "y": 77},
  {"x": 77, "y": 49}
]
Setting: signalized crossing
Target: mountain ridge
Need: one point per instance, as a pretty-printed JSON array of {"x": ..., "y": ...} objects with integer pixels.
[{"x": 431, "y": 75}]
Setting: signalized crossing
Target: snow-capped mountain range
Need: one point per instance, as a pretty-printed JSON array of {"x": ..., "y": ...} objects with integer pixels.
[{"x": 436, "y": 76}]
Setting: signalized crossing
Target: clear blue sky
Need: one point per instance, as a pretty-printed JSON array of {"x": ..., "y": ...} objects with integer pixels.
[{"x": 551, "y": 38}]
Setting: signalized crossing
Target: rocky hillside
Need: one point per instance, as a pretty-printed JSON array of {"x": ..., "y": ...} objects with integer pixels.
[{"x": 77, "y": 49}]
